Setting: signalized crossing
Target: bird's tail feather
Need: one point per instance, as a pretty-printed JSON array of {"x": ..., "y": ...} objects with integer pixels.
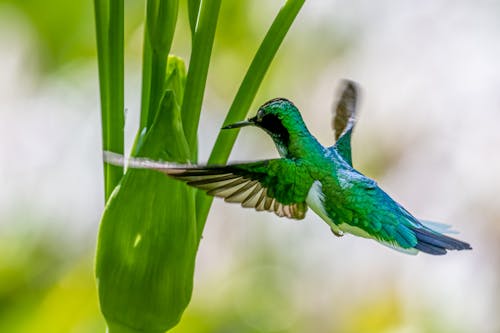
[
  {"x": 439, "y": 227},
  {"x": 430, "y": 240}
]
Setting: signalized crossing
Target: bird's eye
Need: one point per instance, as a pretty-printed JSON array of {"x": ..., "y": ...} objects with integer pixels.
[{"x": 260, "y": 115}]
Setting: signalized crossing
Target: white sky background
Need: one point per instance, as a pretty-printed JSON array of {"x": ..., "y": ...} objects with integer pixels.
[{"x": 430, "y": 77}]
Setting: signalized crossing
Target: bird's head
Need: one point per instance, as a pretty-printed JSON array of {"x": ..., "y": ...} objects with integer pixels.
[{"x": 280, "y": 118}]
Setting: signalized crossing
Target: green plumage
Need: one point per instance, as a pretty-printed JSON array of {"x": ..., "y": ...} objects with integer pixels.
[{"x": 310, "y": 175}]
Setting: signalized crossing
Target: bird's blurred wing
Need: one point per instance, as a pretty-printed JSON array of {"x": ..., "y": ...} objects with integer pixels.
[
  {"x": 275, "y": 185},
  {"x": 345, "y": 119}
]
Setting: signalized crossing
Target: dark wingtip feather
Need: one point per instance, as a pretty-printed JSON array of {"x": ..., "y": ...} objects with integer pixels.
[
  {"x": 430, "y": 249},
  {"x": 437, "y": 244}
]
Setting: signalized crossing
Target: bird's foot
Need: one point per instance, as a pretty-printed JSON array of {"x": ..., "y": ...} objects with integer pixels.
[{"x": 337, "y": 232}]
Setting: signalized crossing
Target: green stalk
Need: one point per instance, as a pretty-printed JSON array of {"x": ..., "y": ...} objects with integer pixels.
[
  {"x": 193, "y": 10},
  {"x": 147, "y": 60},
  {"x": 198, "y": 70},
  {"x": 109, "y": 32},
  {"x": 246, "y": 94},
  {"x": 161, "y": 18}
]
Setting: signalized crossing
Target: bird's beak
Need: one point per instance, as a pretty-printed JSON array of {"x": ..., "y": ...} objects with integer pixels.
[{"x": 239, "y": 124}]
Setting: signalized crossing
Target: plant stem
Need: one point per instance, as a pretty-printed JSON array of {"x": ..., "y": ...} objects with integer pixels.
[
  {"x": 109, "y": 31},
  {"x": 161, "y": 17},
  {"x": 198, "y": 71},
  {"x": 147, "y": 60},
  {"x": 193, "y": 10},
  {"x": 246, "y": 94}
]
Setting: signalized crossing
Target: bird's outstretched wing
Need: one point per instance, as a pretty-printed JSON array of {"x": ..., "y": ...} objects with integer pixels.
[
  {"x": 345, "y": 119},
  {"x": 275, "y": 185}
]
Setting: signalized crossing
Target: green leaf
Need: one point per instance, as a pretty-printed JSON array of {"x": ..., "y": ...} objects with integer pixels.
[
  {"x": 147, "y": 240},
  {"x": 176, "y": 77},
  {"x": 246, "y": 94}
]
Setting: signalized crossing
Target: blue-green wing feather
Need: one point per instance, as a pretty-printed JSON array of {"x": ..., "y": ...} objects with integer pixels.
[
  {"x": 388, "y": 222},
  {"x": 343, "y": 146}
]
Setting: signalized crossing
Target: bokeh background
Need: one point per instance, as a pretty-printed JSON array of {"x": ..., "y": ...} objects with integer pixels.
[{"x": 428, "y": 132}]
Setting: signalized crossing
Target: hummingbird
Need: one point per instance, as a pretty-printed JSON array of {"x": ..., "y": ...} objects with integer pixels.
[{"x": 307, "y": 174}]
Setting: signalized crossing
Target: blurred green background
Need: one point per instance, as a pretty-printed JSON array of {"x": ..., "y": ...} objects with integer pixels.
[{"x": 428, "y": 133}]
